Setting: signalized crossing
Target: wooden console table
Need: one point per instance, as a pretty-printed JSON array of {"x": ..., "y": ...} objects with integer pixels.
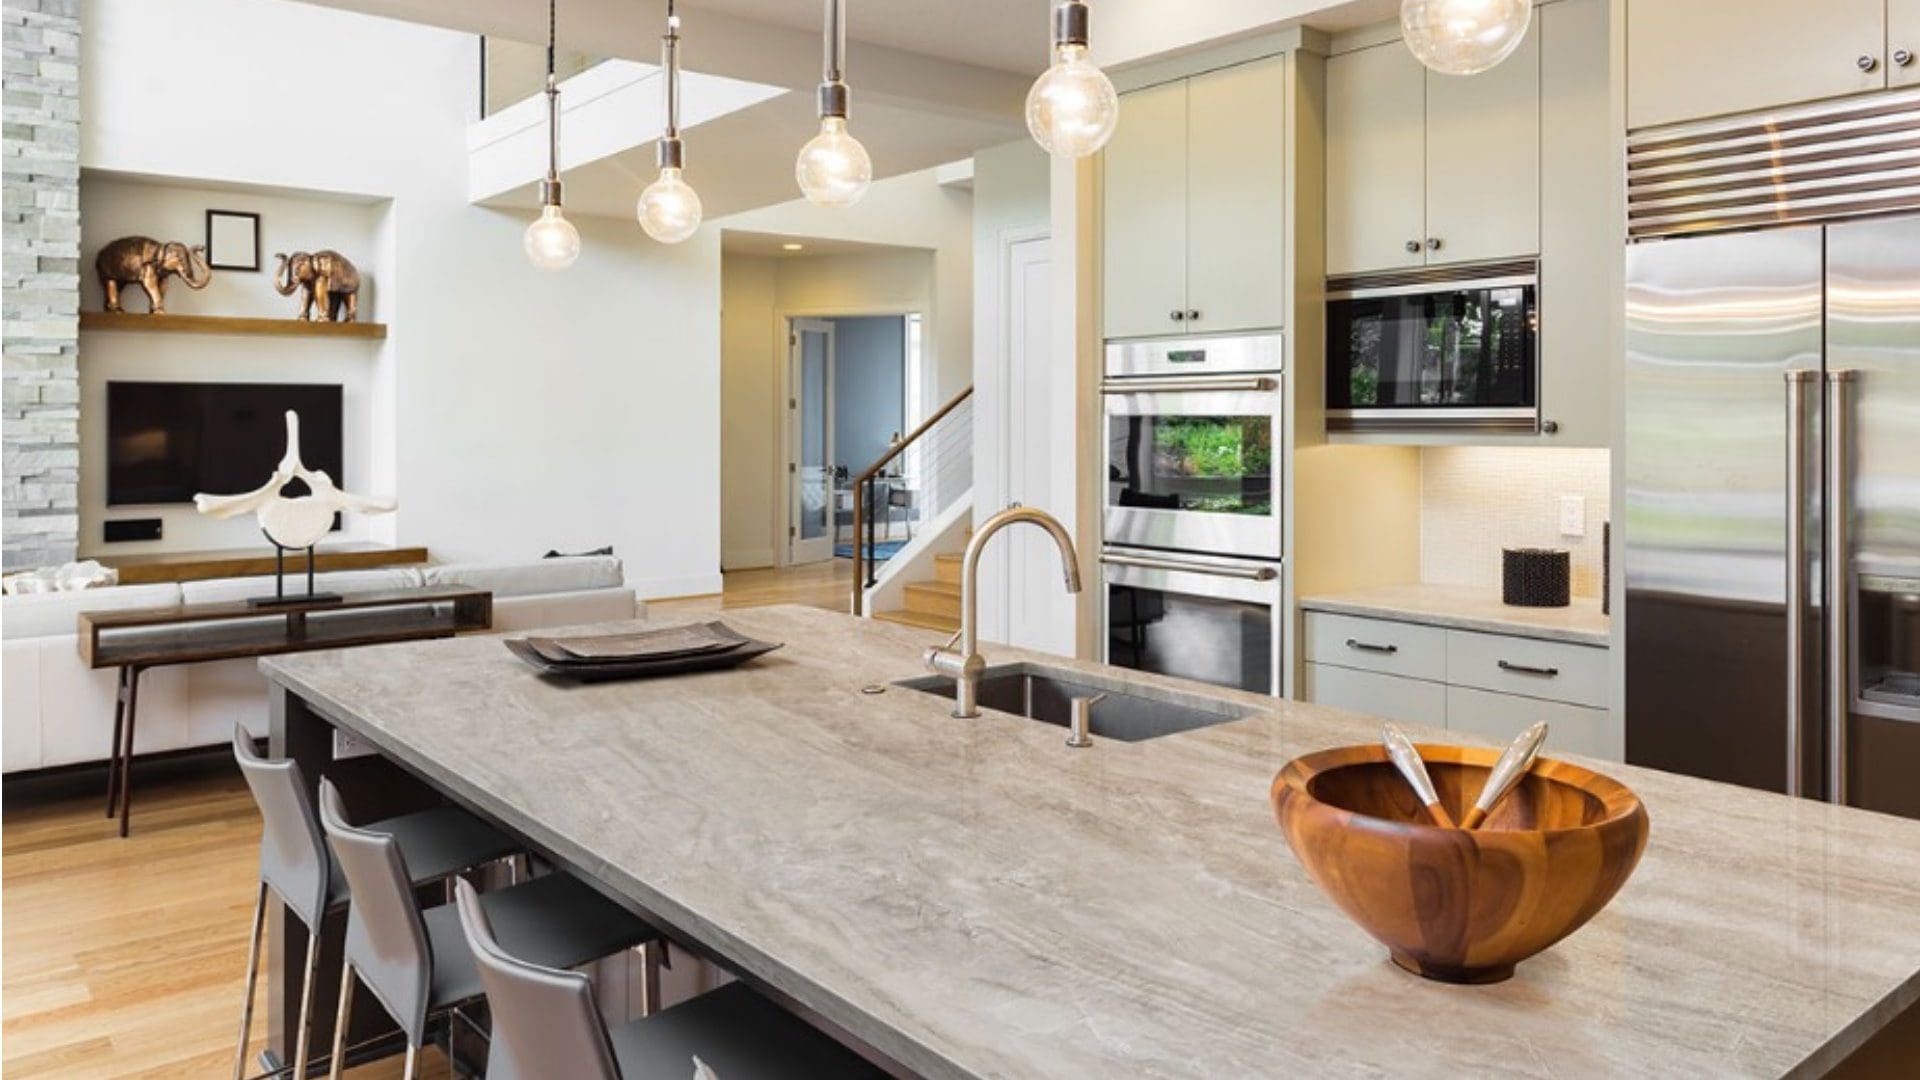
[
  {"x": 247, "y": 562},
  {"x": 136, "y": 639}
]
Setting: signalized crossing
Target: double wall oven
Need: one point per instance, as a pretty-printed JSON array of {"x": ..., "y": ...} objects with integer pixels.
[{"x": 1192, "y": 517}]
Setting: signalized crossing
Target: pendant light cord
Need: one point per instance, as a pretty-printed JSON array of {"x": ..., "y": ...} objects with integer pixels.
[
  {"x": 836, "y": 43},
  {"x": 551, "y": 4},
  {"x": 673, "y": 72}
]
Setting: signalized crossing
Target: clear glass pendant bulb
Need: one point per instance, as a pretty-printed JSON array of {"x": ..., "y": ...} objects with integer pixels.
[
  {"x": 1464, "y": 37},
  {"x": 833, "y": 168},
  {"x": 669, "y": 209},
  {"x": 552, "y": 241},
  {"x": 1072, "y": 108}
]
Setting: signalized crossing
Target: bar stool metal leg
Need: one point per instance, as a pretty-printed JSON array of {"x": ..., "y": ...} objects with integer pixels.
[
  {"x": 253, "y": 975},
  {"x": 339, "y": 1056},
  {"x": 306, "y": 1007},
  {"x": 411, "y": 1071}
]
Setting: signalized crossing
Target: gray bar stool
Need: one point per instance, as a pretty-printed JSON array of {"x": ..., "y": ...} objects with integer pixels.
[
  {"x": 294, "y": 864},
  {"x": 416, "y": 963},
  {"x": 546, "y": 1023}
]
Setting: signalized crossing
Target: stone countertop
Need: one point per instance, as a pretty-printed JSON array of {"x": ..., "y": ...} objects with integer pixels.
[
  {"x": 1467, "y": 608},
  {"x": 974, "y": 898}
]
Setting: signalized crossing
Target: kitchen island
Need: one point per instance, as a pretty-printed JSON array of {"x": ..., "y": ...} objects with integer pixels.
[{"x": 974, "y": 898}]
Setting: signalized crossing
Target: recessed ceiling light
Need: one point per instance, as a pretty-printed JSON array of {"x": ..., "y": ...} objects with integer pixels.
[{"x": 792, "y": 247}]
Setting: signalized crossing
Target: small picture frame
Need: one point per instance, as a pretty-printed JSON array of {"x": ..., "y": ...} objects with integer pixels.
[{"x": 233, "y": 240}]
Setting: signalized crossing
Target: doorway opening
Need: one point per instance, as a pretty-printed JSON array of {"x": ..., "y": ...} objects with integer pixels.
[{"x": 856, "y": 386}]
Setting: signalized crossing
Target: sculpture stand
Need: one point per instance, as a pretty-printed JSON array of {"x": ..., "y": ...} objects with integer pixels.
[{"x": 280, "y": 597}]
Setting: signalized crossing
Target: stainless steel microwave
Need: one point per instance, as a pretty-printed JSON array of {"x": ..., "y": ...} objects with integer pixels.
[{"x": 1453, "y": 349}]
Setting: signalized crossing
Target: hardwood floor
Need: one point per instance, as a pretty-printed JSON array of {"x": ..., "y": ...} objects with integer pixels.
[{"x": 127, "y": 957}]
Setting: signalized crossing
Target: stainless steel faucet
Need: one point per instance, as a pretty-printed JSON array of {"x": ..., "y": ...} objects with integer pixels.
[{"x": 963, "y": 665}]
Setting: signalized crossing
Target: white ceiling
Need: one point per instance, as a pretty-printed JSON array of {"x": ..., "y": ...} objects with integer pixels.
[{"x": 741, "y": 242}]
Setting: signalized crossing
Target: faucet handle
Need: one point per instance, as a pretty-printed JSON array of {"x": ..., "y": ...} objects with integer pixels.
[
  {"x": 954, "y": 640},
  {"x": 1079, "y": 734}
]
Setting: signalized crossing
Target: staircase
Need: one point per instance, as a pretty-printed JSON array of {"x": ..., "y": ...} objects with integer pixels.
[{"x": 935, "y": 604}]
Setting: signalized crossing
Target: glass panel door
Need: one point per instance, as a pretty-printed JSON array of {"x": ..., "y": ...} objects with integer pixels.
[{"x": 813, "y": 510}]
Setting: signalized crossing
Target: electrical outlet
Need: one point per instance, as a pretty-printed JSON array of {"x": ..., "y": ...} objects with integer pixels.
[{"x": 1573, "y": 516}]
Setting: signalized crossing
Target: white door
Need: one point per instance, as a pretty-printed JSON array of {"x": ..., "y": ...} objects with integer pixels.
[
  {"x": 811, "y": 510},
  {"x": 1145, "y": 237},
  {"x": 1483, "y": 160},
  {"x": 1038, "y": 612},
  {"x": 1376, "y": 160}
]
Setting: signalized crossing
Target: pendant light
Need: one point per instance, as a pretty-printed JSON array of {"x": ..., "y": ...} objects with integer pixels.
[
  {"x": 833, "y": 168},
  {"x": 669, "y": 209},
  {"x": 1464, "y": 37},
  {"x": 552, "y": 242},
  {"x": 1072, "y": 108}
]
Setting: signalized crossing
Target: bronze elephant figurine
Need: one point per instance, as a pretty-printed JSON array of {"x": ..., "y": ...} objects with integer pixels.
[
  {"x": 148, "y": 263},
  {"x": 327, "y": 276}
]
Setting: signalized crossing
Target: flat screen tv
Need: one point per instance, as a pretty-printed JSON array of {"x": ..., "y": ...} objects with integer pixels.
[{"x": 168, "y": 440}]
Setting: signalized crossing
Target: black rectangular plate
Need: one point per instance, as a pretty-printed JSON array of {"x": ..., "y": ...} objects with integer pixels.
[{"x": 638, "y": 669}]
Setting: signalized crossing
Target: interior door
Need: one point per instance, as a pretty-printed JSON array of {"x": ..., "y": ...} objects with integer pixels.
[
  {"x": 1483, "y": 160},
  {"x": 1376, "y": 138},
  {"x": 1236, "y": 219},
  {"x": 1144, "y": 241},
  {"x": 812, "y": 510},
  {"x": 1713, "y": 325}
]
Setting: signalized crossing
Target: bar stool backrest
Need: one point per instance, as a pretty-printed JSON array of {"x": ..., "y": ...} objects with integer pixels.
[
  {"x": 545, "y": 1021},
  {"x": 293, "y": 857},
  {"x": 386, "y": 939}
]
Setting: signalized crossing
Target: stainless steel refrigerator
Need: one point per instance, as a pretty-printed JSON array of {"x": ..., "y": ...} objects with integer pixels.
[{"x": 1772, "y": 520}]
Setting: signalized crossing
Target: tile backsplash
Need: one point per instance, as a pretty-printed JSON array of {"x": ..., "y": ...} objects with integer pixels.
[{"x": 1476, "y": 500}]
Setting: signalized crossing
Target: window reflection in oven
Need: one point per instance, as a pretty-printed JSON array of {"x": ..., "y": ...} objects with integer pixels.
[
  {"x": 1223, "y": 642},
  {"x": 1208, "y": 464}
]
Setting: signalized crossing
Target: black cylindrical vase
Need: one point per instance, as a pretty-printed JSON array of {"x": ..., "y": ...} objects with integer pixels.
[{"x": 1536, "y": 577}]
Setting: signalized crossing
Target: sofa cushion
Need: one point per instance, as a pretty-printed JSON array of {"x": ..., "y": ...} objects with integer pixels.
[
  {"x": 43, "y": 614},
  {"x": 537, "y": 577},
  {"x": 226, "y": 590}
]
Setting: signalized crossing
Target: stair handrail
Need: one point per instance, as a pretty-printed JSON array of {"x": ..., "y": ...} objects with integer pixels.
[{"x": 863, "y": 492}]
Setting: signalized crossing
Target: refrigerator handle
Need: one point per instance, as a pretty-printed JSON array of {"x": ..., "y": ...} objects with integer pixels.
[
  {"x": 1797, "y": 382},
  {"x": 1838, "y": 560}
]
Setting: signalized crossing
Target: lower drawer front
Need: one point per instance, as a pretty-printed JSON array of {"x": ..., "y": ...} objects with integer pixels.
[
  {"x": 1555, "y": 670},
  {"x": 1571, "y": 729},
  {"x": 1409, "y": 701},
  {"x": 1393, "y": 648}
]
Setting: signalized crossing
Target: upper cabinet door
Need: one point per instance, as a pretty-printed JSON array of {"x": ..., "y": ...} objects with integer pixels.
[
  {"x": 1236, "y": 198},
  {"x": 1483, "y": 160},
  {"x": 1376, "y": 160},
  {"x": 1145, "y": 231},
  {"x": 1903, "y": 42},
  {"x": 1689, "y": 59}
]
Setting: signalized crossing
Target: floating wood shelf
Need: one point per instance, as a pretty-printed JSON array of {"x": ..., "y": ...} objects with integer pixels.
[{"x": 228, "y": 324}]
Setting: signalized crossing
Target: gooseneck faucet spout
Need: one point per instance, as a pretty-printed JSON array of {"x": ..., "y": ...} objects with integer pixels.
[{"x": 963, "y": 664}]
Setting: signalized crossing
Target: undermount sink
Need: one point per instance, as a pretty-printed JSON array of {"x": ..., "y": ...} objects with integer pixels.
[{"x": 1126, "y": 713}]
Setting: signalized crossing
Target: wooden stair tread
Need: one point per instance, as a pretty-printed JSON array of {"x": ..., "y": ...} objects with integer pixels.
[
  {"x": 944, "y": 588},
  {"x": 919, "y": 619}
]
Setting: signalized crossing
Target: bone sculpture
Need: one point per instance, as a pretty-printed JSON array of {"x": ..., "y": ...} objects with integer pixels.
[{"x": 298, "y": 522}]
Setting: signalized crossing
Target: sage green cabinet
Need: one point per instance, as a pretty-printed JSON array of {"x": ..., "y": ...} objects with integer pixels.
[
  {"x": 1903, "y": 43},
  {"x": 1194, "y": 231},
  {"x": 1426, "y": 169},
  {"x": 1692, "y": 59}
]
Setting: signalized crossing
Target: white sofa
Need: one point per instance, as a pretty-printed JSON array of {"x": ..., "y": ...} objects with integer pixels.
[{"x": 54, "y": 710}]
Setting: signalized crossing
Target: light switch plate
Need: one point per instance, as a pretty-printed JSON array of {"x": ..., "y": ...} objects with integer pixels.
[{"x": 1573, "y": 516}]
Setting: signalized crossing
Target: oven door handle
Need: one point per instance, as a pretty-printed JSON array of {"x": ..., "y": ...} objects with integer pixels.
[
  {"x": 1149, "y": 385},
  {"x": 1149, "y": 562}
]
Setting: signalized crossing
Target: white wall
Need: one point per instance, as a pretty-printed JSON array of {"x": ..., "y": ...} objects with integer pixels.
[
  {"x": 759, "y": 293},
  {"x": 1012, "y": 461},
  {"x": 117, "y": 207},
  {"x": 511, "y": 411}
]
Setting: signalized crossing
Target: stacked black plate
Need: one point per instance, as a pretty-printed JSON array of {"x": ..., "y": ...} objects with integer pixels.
[{"x": 673, "y": 650}]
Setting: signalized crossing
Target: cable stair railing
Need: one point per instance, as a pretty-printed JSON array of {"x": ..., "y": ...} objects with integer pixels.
[{"x": 914, "y": 481}]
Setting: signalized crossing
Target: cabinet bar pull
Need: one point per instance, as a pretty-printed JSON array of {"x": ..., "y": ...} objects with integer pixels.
[
  {"x": 1367, "y": 646},
  {"x": 1528, "y": 669}
]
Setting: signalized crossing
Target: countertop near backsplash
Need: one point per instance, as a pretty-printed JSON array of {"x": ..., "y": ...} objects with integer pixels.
[{"x": 1468, "y": 607}]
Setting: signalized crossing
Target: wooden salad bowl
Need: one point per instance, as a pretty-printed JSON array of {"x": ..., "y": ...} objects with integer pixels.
[{"x": 1449, "y": 904}]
